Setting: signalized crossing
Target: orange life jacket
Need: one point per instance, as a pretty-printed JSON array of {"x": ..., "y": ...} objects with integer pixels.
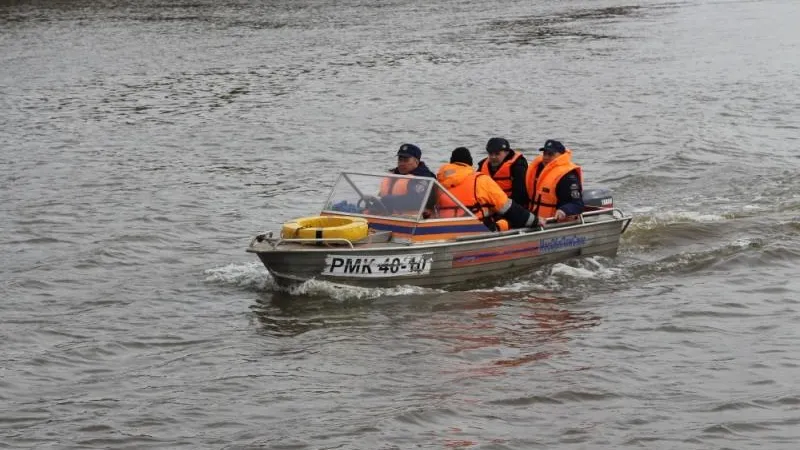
[
  {"x": 461, "y": 181},
  {"x": 542, "y": 189},
  {"x": 394, "y": 186},
  {"x": 503, "y": 175},
  {"x": 531, "y": 179}
]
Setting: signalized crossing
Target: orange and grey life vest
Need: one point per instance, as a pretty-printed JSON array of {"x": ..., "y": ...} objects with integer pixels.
[
  {"x": 542, "y": 189},
  {"x": 503, "y": 175}
]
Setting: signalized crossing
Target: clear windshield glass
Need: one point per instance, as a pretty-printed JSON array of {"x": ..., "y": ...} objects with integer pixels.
[{"x": 388, "y": 196}]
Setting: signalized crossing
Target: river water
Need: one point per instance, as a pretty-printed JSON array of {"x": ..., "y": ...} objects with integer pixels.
[{"x": 143, "y": 145}]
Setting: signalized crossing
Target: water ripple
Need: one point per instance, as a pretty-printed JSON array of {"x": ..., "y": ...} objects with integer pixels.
[{"x": 145, "y": 144}]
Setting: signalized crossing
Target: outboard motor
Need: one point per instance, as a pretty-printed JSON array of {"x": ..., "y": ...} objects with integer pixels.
[{"x": 597, "y": 198}]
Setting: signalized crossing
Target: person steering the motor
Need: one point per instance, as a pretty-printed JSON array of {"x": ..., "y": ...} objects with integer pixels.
[{"x": 554, "y": 183}]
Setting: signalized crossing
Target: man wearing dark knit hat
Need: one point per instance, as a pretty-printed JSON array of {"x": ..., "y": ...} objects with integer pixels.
[{"x": 461, "y": 155}]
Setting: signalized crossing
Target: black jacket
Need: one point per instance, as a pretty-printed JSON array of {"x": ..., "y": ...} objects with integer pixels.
[
  {"x": 518, "y": 192},
  {"x": 421, "y": 171}
]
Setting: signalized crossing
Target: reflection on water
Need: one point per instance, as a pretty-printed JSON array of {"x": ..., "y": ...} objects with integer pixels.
[
  {"x": 283, "y": 314},
  {"x": 521, "y": 330},
  {"x": 489, "y": 331}
]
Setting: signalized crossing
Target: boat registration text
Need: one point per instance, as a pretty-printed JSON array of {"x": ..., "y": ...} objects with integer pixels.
[{"x": 378, "y": 265}]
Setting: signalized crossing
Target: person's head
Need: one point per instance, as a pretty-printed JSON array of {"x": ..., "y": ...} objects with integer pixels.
[
  {"x": 461, "y": 155},
  {"x": 408, "y": 158},
  {"x": 551, "y": 150},
  {"x": 498, "y": 149}
]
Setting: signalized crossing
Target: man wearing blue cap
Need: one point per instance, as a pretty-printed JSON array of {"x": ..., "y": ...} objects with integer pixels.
[
  {"x": 398, "y": 193},
  {"x": 554, "y": 183},
  {"x": 409, "y": 162}
]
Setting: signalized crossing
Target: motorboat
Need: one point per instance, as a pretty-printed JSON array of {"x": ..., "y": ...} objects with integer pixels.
[{"x": 361, "y": 238}]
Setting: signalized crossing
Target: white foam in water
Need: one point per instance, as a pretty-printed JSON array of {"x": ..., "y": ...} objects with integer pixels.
[
  {"x": 751, "y": 207},
  {"x": 549, "y": 278},
  {"x": 690, "y": 216},
  {"x": 592, "y": 267},
  {"x": 574, "y": 272},
  {"x": 251, "y": 275},
  {"x": 747, "y": 242},
  {"x": 668, "y": 217},
  {"x": 516, "y": 286},
  {"x": 643, "y": 209},
  {"x": 343, "y": 292},
  {"x": 255, "y": 276}
]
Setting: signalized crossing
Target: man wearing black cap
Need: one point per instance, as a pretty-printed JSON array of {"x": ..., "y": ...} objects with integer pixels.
[
  {"x": 398, "y": 193},
  {"x": 507, "y": 168},
  {"x": 480, "y": 194},
  {"x": 554, "y": 183}
]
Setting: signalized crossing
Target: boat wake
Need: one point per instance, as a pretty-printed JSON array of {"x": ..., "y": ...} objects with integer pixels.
[
  {"x": 575, "y": 274},
  {"x": 320, "y": 288},
  {"x": 648, "y": 219},
  {"x": 687, "y": 262},
  {"x": 253, "y": 277},
  {"x": 249, "y": 276},
  {"x": 589, "y": 268},
  {"x": 558, "y": 277}
]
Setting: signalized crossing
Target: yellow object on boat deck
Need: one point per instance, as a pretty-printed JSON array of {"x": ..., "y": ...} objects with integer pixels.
[{"x": 326, "y": 227}]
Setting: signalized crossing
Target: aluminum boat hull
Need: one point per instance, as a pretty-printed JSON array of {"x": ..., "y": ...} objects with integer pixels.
[{"x": 439, "y": 264}]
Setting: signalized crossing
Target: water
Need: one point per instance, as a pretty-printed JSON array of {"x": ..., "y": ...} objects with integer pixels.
[{"x": 144, "y": 145}]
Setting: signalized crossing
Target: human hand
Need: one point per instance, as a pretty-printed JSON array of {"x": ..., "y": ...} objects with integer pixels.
[
  {"x": 345, "y": 206},
  {"x": 373, "y": 205},
  {"x": 559, "y": 215}
]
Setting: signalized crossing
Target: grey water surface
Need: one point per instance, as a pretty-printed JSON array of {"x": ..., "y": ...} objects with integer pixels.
[{"x": 143, "y": 144}]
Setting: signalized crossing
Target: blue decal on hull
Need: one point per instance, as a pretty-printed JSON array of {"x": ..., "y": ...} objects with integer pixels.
[{"x": 561, "y": 243}]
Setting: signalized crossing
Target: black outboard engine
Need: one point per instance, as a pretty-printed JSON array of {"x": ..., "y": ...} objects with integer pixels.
[{"x": 597, "y": 198}]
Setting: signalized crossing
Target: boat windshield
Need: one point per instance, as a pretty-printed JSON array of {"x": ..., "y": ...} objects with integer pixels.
[{"x": 390, "y": 196}]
